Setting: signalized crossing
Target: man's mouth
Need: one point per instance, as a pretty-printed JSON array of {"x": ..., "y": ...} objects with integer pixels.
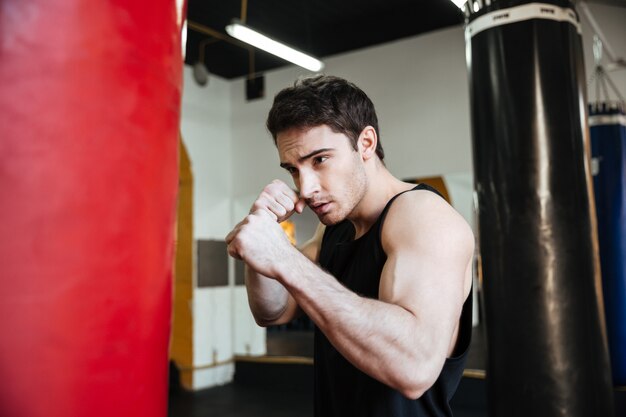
[{"x": 320, "y": 207}]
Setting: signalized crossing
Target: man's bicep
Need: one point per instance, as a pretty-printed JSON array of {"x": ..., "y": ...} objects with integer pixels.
[
  {"x": 432, "y": 289},
  {"x": 429, "y": 247}
]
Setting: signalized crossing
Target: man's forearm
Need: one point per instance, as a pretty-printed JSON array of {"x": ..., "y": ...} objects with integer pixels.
[
  {"x": 383, "y": 340},
  {"x": 268, "y": 298},
  {"x": 269, "y": 301}
]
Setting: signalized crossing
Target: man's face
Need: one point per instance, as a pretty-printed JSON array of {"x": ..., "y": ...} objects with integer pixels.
[{"x": 325, "y": 168}]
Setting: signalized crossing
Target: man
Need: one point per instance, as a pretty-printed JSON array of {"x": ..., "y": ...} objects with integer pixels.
[{"x": 387, "y": 283}]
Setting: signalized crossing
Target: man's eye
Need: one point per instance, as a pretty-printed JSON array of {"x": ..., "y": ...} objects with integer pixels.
[
  {"x": 291, "y": 170},
  {"x": 320, "y": 159}
]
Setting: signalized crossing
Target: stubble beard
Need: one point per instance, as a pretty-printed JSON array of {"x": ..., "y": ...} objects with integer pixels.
[{"x": 352, "y": 197}]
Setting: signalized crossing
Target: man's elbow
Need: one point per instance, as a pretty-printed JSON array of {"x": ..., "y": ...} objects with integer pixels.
[
  {"x": 418, "y": 382},
  {"x": 265, "y": 317},
  {"x": 267, "y": 321},
  {"x": 262, "y": 322},
  {"x": 414, "y": 391},
  {"x": 413, "y": 395}
]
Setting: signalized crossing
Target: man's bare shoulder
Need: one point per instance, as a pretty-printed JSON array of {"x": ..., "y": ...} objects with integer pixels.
[
  {"x": 311, "y": 248},
  {"x": 423, "y": 217}
]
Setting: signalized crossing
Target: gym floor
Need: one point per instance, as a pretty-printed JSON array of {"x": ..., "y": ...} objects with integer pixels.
[
  {"x": 259, "y": 391},
  {"x": 234, "y": 400}
]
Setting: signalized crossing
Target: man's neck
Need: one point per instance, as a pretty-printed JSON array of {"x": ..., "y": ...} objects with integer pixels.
[{"x": 381, "y": 188}]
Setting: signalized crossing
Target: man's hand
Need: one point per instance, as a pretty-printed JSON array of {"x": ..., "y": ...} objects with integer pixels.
[
  {"x": 258, "y": 239},
  {"x": 279, "y": 200}
]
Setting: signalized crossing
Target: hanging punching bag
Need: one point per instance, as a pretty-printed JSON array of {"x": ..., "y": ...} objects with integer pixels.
[
  {"x": 89, "y": 114},
  {"x": 608, "y": 146},
  {"x": 547, "y": 348}
]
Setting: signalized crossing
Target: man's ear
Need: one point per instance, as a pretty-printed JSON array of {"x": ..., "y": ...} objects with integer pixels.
[{"x": 368, "y": 139}]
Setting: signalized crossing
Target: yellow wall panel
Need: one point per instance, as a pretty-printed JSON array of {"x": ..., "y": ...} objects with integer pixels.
[{"x": 181, "y": 345}]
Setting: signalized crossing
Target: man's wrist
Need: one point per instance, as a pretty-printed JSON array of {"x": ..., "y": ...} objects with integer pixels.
[{"x": 293, "y": 265}]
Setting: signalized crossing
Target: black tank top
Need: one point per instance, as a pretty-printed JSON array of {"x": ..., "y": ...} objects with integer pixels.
[{"x": 341, "y": 390}]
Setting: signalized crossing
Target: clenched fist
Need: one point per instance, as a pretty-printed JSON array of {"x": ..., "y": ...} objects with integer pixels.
[
  {"x": 258, "y": 239},
  {"x": 279, "y": 200}
]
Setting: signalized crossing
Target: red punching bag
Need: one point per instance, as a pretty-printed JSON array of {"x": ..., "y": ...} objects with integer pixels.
[{"x": 89, "y": 115}]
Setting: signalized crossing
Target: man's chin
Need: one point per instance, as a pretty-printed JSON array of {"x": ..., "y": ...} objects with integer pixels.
[{"x": 328, "y": 220}]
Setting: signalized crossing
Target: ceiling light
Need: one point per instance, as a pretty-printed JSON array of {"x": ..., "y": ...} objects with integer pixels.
[
  {"x": 459, "y": 3},
  {"x": 258, "y": 40}
]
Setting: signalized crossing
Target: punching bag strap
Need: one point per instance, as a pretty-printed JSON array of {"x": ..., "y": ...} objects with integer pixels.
[{"x": 519, "y": 14}]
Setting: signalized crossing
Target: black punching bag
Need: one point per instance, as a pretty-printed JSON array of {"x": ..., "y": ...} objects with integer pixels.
[{"x": 545, "y": 330}]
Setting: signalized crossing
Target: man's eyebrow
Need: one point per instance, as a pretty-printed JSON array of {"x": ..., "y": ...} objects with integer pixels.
[{"x": 307, "y": 156}]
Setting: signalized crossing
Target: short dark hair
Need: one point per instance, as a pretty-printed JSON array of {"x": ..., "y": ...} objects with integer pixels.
[{"x": 324, "y": 100}]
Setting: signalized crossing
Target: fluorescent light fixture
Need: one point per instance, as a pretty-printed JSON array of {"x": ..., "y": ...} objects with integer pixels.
[
  {"x": 459, "y": 3},
  {"x": 183, "y": 39},
  {"x": 258, "y": 40}
]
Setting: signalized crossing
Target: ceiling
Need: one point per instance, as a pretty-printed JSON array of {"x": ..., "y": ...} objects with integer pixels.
[{"x": 318, "y": 27}]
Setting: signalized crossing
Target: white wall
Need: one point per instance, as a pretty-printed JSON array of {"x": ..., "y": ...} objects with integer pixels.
[
  {"x": 212, "y": 336},
  {"x": 207, "y": 133},
  {"x": 206, "y": 129},
  {"x": 249, "y": 339},
  {"x": 612, "y": 22}
]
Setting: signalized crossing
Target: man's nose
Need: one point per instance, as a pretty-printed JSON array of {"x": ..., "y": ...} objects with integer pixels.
[{"x": 309, "y": 185}]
